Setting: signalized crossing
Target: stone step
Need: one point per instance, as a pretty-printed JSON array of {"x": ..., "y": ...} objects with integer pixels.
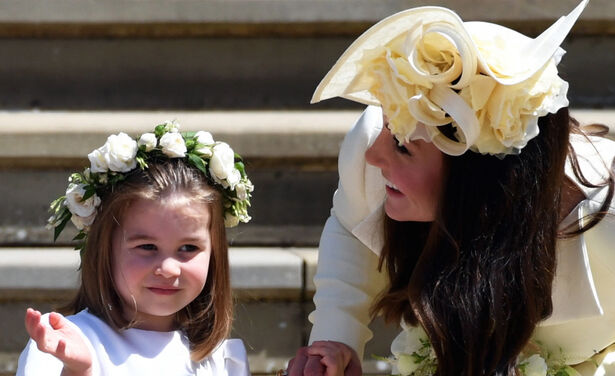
[
  {"x": 118, "y": 18},
  {"x": 290, "y": 156},
  {"x": 185, "y": 54},
  {"x": 210, "y": 73},
  {"x": 273, "y": 287}
]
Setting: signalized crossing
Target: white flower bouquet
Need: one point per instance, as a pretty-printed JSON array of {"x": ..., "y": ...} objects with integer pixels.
[{"x": 414, "y": 356}]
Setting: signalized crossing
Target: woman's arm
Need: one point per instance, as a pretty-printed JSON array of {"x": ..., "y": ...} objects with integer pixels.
[{"x": 347, "y": 279}]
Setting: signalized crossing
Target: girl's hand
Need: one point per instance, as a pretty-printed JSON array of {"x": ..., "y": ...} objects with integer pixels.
[
  {"x": 338, "y": 358},
  {"x": 325, "y": 358},
  {"x": 60, "y": 340},
  {"x": 305, "y": 365}
]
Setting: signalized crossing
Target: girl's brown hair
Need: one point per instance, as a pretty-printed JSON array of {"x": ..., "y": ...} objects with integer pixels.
[
  {"x": 207, "y": 319},
  {"x": 479, "y": 278}
]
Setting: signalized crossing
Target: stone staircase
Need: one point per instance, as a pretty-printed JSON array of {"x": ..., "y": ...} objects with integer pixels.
[{"x": 73, "y": 72}]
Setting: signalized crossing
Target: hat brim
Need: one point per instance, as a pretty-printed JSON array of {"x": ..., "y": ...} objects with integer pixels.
[{"x": 532, "y": 54}]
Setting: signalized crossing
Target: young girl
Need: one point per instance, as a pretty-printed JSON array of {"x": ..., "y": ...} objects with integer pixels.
[{"x": 155, "y": 296}]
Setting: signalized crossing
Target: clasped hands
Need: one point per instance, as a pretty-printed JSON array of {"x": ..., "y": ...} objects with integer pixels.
[{"x": 325, "y": 358}]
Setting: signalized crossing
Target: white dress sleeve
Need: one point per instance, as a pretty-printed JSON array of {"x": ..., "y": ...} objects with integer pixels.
[
  {"x": 33, "y": 362},
  {"x": 347, "y": 279},
  {"x": 235, "y": 358},
  {"x": 230, "y": 358}
]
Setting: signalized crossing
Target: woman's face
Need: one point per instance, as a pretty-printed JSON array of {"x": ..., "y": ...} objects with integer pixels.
[{"x": 413, "y": 173}]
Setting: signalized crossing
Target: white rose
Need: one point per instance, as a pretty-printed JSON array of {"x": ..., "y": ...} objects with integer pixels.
[
  {"x": 173, "y": 145},
  {"x": 120, "y": 151},
  {"x": 75, "y": 203},
  {"x": 535, "y": 365},
  {"x": 81, "y": 222},
  {"x": 222, "y": 166},
  {"x": 148, "y": 140},
  {"x": 230, "y": 220},
  {"x": 98, "y": 163},
  {"x": 204, "y": 138}
]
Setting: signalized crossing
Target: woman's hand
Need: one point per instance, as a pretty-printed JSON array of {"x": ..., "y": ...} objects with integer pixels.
[
  {"x": 60, "y": 340},
  {"x": 325, "y": 358}
]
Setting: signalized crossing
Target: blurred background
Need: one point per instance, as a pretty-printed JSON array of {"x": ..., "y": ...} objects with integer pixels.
[{"x": 74, "y": 71}]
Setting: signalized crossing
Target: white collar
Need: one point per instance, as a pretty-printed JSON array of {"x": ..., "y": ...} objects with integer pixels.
[{"x": 574, "y": 292}]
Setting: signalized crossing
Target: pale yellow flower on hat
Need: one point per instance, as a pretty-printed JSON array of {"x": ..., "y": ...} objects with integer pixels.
[{"x": 427, "y": 69}]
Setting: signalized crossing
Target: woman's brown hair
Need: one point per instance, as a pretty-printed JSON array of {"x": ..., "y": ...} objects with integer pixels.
[
  {"x": 207, "y": 319},
  {"x": 479, "y": 278}
]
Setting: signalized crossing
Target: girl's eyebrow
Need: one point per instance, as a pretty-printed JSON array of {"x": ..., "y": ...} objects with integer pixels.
[
  {"x": 139, "y": 236},
  {"x": 145, "y": 237}
]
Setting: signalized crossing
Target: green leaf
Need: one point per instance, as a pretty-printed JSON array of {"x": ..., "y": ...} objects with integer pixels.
[
  {"x": 190, "y": 144},
  {"x": 81, "y": 235},
  {"x": 238, "y": 157},
  {"x": 160, "y": 130},
  {"x": 383, "y": 358},
  {"x": 242, "y": 169},
  {"x": 89, "y": 192},
  {"x": 58, "y": 230},
  {"x": 141, "y": 162},
  {"x": 198, "y": 162},
  {"x": 56, "y": 205}
]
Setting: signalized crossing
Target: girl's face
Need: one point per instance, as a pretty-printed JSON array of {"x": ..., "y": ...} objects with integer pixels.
[
  {"x": 161, "y": 255},
  {"x": 413, "y": 173}
]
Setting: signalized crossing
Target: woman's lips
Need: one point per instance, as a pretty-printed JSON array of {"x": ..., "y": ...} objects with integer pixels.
[{"x": 392, "y": 189}]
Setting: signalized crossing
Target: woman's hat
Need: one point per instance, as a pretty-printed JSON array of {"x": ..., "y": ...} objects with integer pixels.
[{"x": 461, "y": 85}]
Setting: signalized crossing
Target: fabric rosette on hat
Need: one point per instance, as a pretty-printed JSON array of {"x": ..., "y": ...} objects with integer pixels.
[{"x": 462, "y": 85}]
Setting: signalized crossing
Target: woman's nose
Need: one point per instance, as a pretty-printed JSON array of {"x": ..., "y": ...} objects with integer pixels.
[
  {"x": 168, "y": 268},
  {"x": 377, "y": 153}
]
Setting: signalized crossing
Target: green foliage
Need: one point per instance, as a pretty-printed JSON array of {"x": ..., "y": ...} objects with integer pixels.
[
  {"x": 63, "y": 220},
  {"x": 198, "y": 162}
]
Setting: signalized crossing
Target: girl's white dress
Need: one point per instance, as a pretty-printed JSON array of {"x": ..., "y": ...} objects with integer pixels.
[
  {"x": 347, "y": 280},
  {"x": 133, "y": 352}
]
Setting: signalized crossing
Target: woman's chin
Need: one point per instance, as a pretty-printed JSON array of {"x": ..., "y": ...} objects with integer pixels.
[{"x": 405, "y": 214}]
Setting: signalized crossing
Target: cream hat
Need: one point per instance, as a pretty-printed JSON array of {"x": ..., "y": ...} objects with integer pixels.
[{"x": 427, "y": 68}]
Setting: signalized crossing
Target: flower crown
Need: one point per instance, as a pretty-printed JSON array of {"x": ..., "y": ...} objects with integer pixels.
[{"x": 121, "y": 154}]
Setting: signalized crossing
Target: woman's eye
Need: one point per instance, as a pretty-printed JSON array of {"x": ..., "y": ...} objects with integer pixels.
[
  {"x": 400, "y": 147},
  {"x": 188, "y": 248}
]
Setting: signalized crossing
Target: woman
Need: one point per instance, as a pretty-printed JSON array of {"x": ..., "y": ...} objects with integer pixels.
[{"x": 477, "y": 218}]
